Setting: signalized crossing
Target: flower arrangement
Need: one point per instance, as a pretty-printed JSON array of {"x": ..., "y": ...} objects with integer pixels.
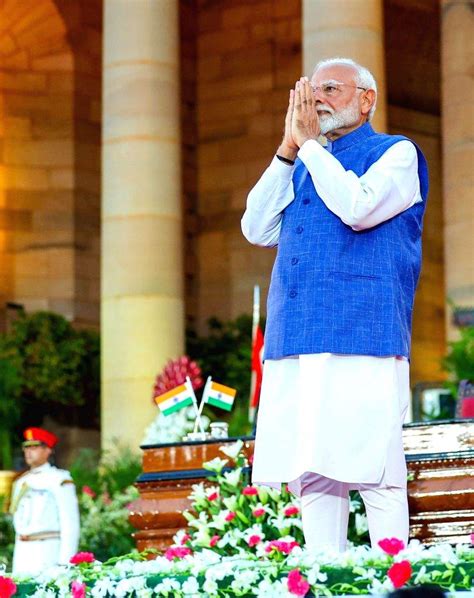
[
  {"x": 191, "y": 574},
  {"x": 229, "y": 515},
  {"x": 247, "y": 541},
  {"x": 175, "y": 426}
]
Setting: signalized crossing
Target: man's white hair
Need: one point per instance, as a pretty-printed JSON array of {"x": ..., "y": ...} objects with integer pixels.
[{"x": 364, "y": 77}]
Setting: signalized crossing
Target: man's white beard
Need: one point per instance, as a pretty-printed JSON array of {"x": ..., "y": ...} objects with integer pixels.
[{"x": 336, "y": 120}]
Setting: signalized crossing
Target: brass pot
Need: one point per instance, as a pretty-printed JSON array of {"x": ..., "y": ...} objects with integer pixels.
[{"x": 6, "y": 481}]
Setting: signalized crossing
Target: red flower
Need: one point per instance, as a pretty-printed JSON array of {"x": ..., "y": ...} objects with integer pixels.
[
  {"x": 291, "y": 510},
  {"x": 82, "y": 557},
  {"x": 175, "y": 372},
  {"x": 472, "y": 539},
  {"x": 258, "y": 512},
  {"x": 281, "y": 546},
  {"x": 78, "y": 589},
  {"x": 254, "y": 540},
  {"x": 249, "y": 491},
  {"x": 391, "y": 546},
  {"x": 7, "y": 587},
  {"x": 88, "y": 490},
  {"x": 230, "y": 516},
  {"x": 213, "y": 541},
  {"x": 177, "y": 552},
  {"x": 400, "y": 573},
  {"x": 185, "y": 539},
  {"x": 213, "y": 496},
  {"x": 251, "y": 459},
  {"x": 297, "y": 584}
]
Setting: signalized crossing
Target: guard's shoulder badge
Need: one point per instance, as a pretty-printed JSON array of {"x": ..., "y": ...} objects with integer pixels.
[{"x": 64, "y": 482}]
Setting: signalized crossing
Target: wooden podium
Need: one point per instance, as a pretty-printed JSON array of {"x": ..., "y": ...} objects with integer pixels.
[{"x": 440, "y": 460}]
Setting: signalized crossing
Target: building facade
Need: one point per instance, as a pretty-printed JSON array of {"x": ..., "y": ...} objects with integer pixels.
[{"x": 132, "y": 131}]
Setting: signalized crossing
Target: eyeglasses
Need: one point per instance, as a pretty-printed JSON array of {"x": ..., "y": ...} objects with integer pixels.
[{"x": 332, "y": 90}]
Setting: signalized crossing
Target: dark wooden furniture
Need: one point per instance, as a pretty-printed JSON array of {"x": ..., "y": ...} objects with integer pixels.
[{"x": 440, "y": 460}]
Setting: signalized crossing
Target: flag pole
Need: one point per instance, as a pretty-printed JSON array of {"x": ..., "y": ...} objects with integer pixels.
[
  {"x": 201, "y": 405},
  {"x": 255, "y": 323},
  {"x": 198, "y": 415}
]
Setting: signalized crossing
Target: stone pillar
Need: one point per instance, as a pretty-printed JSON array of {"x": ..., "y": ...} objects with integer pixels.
[
  {"x": 350, "y": 30},
  {"x": 457, "y": 22},
  {"x": 142, "y": 288}
]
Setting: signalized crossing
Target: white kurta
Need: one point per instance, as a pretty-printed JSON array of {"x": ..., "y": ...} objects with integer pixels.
[{"x": 339, "y": 416}]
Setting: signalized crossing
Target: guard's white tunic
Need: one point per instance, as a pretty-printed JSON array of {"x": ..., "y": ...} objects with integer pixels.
[
  {"x": 339, "y": 416},
  {"x": 44, "y": 503}
]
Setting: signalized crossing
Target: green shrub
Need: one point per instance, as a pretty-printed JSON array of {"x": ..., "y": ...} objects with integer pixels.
[
  {"x": 459, "y": 362},
  {"x": 105, "y": 487}
]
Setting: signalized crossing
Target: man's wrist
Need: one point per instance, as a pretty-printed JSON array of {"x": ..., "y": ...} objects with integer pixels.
[{"x": 287, "y": 152}]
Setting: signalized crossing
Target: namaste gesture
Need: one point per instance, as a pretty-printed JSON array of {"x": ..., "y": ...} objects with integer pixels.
[{"x": 301, "y": 121}]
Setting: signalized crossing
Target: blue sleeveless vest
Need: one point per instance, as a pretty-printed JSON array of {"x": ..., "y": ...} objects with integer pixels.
[{"x": 337, "y": 290}]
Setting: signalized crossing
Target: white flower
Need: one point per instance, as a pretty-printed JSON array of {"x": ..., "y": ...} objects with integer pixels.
[
  {"x": 217, "y": 464},
  {"x": 198, "y": 491},
  {"x": 219, "y": 522},
  {"x": 167, "y": 585},
  {"x": 210, "y": 587},
  {"x": 232, "y": 450},
  {"x": 361, "y": 523},
  {"x": 233, "y": 477},
  {"x": 126, "y": 586},
  {"x": 230, "y": 502},
  {"x": 244, "y": 579},
  {"x": 102, "y": 587},
  {"x": 212, "y": 490},
  {"x": 190, "y": 587}
]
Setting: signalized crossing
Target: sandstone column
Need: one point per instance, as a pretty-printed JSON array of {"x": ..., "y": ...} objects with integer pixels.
[
  {"x": 142, "y": 289},
  {"x": 457, "y": 22},
  {"x": 350, "y": 30}
]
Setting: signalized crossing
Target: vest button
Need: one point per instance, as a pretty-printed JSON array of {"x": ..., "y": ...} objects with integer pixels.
[
  {"x": 299, "y": 230},
  {"x": 293, "y": 294},
  {"x": 294, "y": 260},
  {"x": 306, "y": 201}
]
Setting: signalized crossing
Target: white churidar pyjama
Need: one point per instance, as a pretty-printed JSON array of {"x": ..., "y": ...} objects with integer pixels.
[{"x": 329, "y": 423}]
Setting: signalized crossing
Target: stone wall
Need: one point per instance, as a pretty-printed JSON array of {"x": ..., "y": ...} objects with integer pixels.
[
  {"x": 249, "y": 54},
  {"x": 50, "y": 119}
]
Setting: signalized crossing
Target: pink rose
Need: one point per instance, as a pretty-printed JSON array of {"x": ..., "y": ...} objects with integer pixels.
[
  {"x": 472, "y": 539},
  {"x": 185, "y": 539},
  {"x": 177, "y": 552},
  {"x": 281, "y": 546},
  {"x": 213, "y": 541},
  {"x": 254, "y": 540},
  {"x": 258, "y": 512},
  {"x": 78, "y": 589},
  {"x": 291, "y": 510},
  {"x": 297, "y": 584},
  {"x": 88, "y": 490},
  {"x": 7, "y": 587},
  {"x": 400, "y": 573},
  {"x": 249, "y": 491},
  {"x": 213, "y": 496},
  {"x": 391, "y": 546},
  {"x": 82, "y": 557},
  {"x": 230, "y": 516}
]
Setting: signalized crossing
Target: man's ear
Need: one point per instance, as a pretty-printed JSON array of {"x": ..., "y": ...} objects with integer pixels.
[{"x": 367, "y": 100}]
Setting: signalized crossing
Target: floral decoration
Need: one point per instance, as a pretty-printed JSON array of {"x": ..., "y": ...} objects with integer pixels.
[
  {"x": 7, "y": 587},
  {"x": 82, "y": 557}
]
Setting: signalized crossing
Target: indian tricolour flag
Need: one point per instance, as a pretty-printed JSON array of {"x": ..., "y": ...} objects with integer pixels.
[
  {"x": 218, "y": 395},
  {"x": 175, "y": 399}
]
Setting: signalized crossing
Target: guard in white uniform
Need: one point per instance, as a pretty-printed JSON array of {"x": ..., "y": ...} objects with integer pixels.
[{"x": 45, "y": 509}]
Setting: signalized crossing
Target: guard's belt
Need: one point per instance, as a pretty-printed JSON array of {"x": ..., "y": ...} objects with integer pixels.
[{"x": 40, "y": 536}]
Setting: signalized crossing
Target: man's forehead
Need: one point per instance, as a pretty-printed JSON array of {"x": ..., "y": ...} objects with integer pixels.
[{"x": 344, "y": 73}]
